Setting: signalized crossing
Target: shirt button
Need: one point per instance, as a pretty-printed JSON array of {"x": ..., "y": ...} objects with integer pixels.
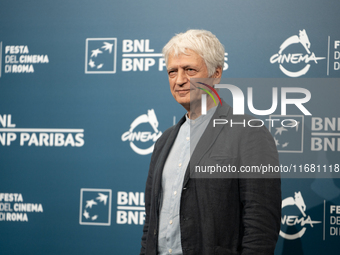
[
  {"x": 175, "y": 192},
  {"x": 170, "y": 222},
  {"x": 188, "y": 138},
  {"x": 180, "y": 164},
  {"x": 170, "y": 251}
]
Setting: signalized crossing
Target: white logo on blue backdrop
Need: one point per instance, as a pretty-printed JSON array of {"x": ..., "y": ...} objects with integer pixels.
[
  {"x": 291, "y": 220},
  {"x": 100, "y": 55},
  {"x": 287, "y": 133},
  {"x": 138, "y": 137},
  {"x": 295, "y": 58},
  {"x": 95, "y": 207}
]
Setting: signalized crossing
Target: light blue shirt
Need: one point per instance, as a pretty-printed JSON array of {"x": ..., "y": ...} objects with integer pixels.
[{"x": 169, "y": 238}]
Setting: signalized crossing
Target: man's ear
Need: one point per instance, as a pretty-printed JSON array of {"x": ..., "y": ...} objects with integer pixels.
[{"x": 217, "y": 75}]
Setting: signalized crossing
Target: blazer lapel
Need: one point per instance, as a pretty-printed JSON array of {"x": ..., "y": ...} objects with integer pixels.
[
  {"x": 164, "y": 155},
  {"x": 208, "y": 138}
]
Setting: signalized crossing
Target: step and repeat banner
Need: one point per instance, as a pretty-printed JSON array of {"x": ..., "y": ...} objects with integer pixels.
[{"x": 84, "y": 95}]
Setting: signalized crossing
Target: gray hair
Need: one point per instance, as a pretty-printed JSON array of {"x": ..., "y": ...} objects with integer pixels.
[{"x": 203, "y": 42}]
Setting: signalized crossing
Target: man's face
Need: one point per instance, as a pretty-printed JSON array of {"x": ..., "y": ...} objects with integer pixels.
[{"x": 180, "y": 70}]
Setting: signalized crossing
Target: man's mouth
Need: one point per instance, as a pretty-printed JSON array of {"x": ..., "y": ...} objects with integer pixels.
[{"x": 183, "y": 92}]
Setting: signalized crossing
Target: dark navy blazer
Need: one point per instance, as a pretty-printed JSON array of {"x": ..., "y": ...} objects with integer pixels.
[{"x": 237, "y": 214}]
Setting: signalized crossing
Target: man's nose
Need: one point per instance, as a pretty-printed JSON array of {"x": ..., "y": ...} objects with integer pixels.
[{"x": 181, "y": 78}]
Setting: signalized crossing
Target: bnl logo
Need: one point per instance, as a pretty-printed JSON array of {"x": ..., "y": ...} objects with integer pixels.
[
  {"x": 238, "y": 99},
  {"x": 288, "y": 133},
  {"x": 95, "y": 207},
  {"x": 100, "y": 55}
]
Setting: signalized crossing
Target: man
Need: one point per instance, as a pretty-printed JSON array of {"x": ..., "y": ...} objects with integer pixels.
[{"x": 186, "y": 215}]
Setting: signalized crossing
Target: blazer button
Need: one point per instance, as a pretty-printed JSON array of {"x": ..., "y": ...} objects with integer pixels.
[{"x": 154, "y": 232}]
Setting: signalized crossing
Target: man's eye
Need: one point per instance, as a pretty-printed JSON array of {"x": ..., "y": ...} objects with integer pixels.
[
  {"x": 191, "y": 71},
  {"x": 172, "y": 73}
]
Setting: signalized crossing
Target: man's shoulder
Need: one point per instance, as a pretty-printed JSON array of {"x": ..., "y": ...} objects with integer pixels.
[
  {"x": 164, "y": 137},
  {"x": 161, "y": 141}
]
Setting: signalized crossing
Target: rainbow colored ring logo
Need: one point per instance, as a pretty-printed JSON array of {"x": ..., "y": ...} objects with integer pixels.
[{"x": 204, "y": 97}]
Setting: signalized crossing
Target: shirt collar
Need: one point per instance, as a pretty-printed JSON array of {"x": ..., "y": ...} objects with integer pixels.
[{"x": 201, "y": 118}]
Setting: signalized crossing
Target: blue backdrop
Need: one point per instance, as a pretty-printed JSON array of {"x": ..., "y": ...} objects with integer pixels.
[{"x": 80, "y": 82}]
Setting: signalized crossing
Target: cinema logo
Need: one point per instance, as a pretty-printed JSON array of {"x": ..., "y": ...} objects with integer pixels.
[
  {"x": 143, "y": 136},
  {"x": 49, "y": 137},
  {"x": 13, "y": 207},
  {"x": 297, "y": 222},
  {"x": 295, "y": 58},
  {"x": 130, "y": 208}
]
